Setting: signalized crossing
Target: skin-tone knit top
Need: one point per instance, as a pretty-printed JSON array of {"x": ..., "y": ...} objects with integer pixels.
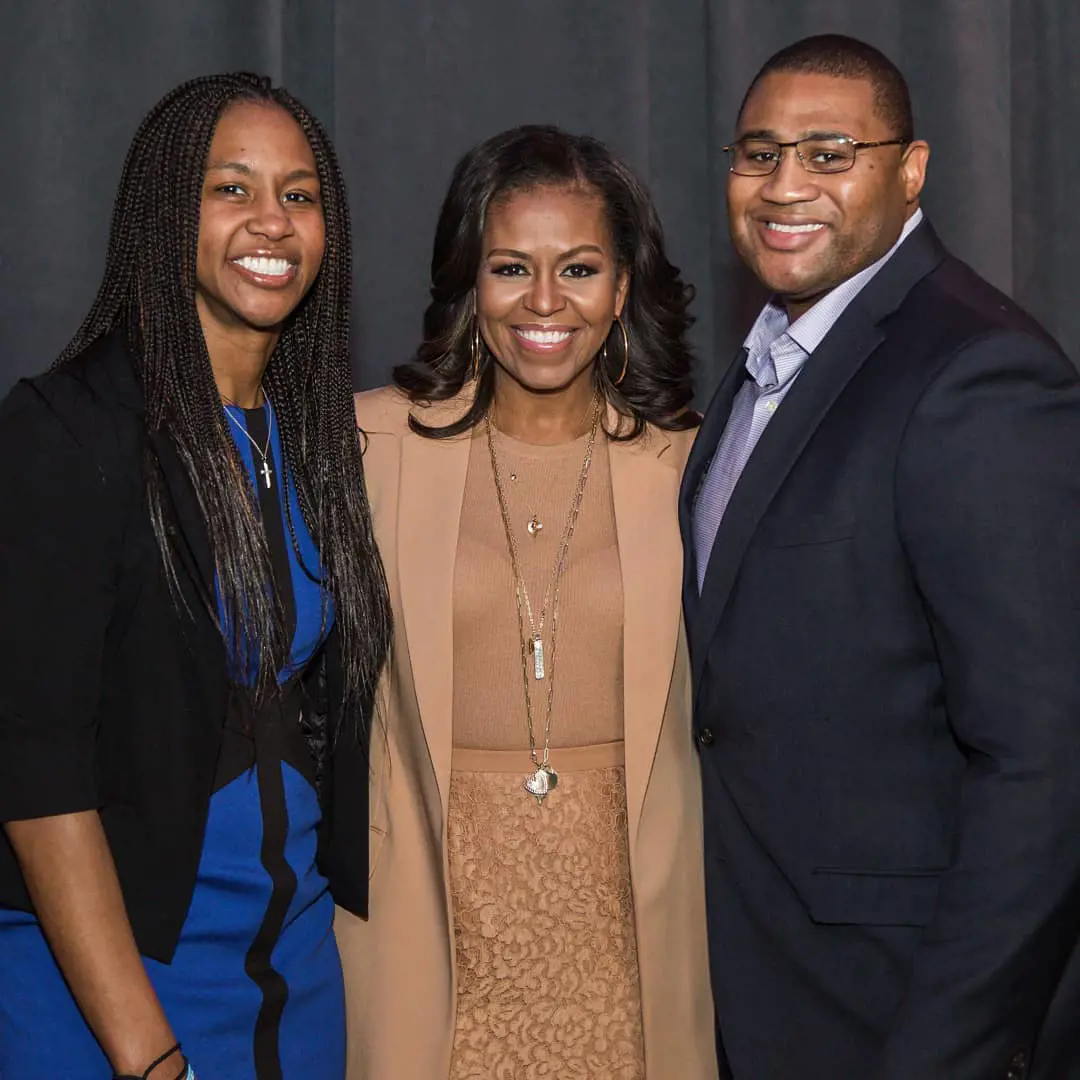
[{"x": 489, "y": 701}]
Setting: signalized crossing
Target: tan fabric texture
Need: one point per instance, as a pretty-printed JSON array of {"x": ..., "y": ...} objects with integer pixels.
[
  {"x": 544, "y": 928},
  {"x": 401, "y": 965}
]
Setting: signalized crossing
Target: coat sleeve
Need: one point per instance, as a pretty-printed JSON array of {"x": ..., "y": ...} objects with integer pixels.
[
  {"x": 988, "y": 497},
  {"x": 58, "y": 550}
]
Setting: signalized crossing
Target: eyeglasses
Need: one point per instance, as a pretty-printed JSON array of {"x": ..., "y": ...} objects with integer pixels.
[{"x": 829, "y": 154}]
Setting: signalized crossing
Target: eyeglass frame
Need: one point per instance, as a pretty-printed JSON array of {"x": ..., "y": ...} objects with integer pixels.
[{"x": 855, "y": 144}]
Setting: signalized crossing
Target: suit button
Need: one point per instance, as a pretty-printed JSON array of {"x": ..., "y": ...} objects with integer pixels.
[
  {"x": 705, "y": 737},
  {"x": 1017, "y": 1067}
]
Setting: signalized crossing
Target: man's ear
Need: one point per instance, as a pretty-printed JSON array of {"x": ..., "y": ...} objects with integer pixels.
[{"x": 913, "y": 168}]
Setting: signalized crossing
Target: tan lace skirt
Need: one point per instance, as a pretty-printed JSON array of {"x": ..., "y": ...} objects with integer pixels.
[{"x": 543, "y": 919}]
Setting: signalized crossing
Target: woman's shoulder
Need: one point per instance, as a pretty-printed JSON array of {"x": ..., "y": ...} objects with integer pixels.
[
  {"x": 383, "y": 411},
  {"x": 91, "y": 404},
  {"x": 386, "y": 411},
  {"x": 683, "y": 439},
  {"x": 77, "y": 435},
  {"x": 673, "y": 445}
]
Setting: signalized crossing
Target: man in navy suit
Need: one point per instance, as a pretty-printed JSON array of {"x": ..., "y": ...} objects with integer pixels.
[{"x": 882, "y": 521}]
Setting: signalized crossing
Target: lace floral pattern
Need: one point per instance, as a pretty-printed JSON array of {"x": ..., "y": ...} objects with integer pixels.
[{"x": 544, "y": 928}]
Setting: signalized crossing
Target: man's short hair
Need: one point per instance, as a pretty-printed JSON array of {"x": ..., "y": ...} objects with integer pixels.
[{"x": 848, "y": 58}]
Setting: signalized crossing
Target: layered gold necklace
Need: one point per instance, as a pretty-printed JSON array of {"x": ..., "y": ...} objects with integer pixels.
[{"x": 543, "y": 778}]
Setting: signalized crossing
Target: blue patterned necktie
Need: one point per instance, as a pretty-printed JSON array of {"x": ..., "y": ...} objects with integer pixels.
[{"x": 727, "y": 464}]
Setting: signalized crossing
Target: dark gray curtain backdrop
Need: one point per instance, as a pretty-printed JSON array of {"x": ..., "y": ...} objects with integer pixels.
[{"x": 405, "y": 86}]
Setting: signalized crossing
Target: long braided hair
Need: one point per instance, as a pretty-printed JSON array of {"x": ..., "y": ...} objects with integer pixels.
[{"x": 148, "y": 294}]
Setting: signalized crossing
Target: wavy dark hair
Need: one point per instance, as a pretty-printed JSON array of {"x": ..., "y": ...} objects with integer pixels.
[
  {"x": 658, "y": 384},
  {"x": 148, "y": 294}
]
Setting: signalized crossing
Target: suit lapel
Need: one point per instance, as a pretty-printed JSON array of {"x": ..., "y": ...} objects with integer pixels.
[
  {"x": 825, "y": 375},
  {"x": 855, "y": 336},
  {"x": 644, "y": 485},
  {"x": 433, "y": 473}
]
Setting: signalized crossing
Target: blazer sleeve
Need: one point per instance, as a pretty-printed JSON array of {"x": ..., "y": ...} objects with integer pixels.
[
  {"x": 344, "y": 839},
  {"x": 59, "y": 540},
  {"x": 988, "y": 497}
]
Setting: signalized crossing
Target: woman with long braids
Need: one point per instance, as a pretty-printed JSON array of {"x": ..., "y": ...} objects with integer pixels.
[
  {"x": 193, "y": 618},
  {"x": 537, "y": 889}
]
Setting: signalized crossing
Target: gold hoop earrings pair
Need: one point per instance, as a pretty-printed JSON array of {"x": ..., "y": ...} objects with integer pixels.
[{"x": 625, "y": 353}]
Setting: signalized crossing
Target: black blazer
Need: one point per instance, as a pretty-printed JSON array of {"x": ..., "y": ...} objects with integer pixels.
[
  {"x": 886, "y": 663},
  {"x": 112, "y": 695}
]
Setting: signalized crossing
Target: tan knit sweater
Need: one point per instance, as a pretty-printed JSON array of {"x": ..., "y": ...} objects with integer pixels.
[{"x": 489, "y": 695}]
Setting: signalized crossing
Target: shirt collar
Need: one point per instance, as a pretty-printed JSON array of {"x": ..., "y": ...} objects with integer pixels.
[
  {"x": 768, "y": 329},
  {"x": 809, "y": 330}
]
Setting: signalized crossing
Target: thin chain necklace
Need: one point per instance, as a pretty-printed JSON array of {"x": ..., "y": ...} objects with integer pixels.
[
  {"x": 535, "y": 526},
  {"x": 267, "y": 471},
  {"x": 544, "y": 778},
  {"x": 536, "y": 627}
]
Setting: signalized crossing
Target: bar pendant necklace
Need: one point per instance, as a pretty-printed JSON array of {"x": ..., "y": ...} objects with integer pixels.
[{"x": 543, "y": 779}]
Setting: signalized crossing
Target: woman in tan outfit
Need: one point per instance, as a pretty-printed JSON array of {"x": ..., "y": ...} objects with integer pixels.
[{"x": 537, "y": 897}]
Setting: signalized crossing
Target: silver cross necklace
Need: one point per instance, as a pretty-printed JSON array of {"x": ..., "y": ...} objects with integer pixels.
[{"x": 266, "y": 471}]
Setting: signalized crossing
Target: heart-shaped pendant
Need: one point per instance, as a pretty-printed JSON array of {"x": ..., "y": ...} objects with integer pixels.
[{"x": 542, "y": 781}]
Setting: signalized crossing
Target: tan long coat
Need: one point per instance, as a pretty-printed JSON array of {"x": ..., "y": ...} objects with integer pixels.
[{"x": 399, "y": 964}]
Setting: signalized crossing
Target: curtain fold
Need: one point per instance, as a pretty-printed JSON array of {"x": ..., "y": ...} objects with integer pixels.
[{"x": 406, "y": 86}]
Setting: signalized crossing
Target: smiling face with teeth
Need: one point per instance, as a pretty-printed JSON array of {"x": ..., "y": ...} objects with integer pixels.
[
  {"x": 804, "y": 233},
  {"x": 261, "y": 230},
  {"x": 548, "y": 288}
]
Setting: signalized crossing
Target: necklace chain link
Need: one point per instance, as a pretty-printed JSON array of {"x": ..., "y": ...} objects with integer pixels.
[{"x": 533, "y": 641}]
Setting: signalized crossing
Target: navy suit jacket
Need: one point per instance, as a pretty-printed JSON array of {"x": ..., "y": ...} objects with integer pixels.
[{"x": 886, "y": 663}]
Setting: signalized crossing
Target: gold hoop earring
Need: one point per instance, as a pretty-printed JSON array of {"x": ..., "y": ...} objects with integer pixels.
[
  {"x": 476, "y": 349},
  {"x": 626, "y": 350}
]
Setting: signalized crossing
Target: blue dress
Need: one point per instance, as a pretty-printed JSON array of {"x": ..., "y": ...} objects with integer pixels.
[{"x": 254, "y": 991}]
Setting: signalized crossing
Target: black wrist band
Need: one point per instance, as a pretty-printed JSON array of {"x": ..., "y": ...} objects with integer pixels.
[{"x": 154, "y": 1064}]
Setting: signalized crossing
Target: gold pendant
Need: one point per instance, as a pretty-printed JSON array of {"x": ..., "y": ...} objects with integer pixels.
[
  {"x": 534, "y": 526},
  {"x": 539, "y": 783}
]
